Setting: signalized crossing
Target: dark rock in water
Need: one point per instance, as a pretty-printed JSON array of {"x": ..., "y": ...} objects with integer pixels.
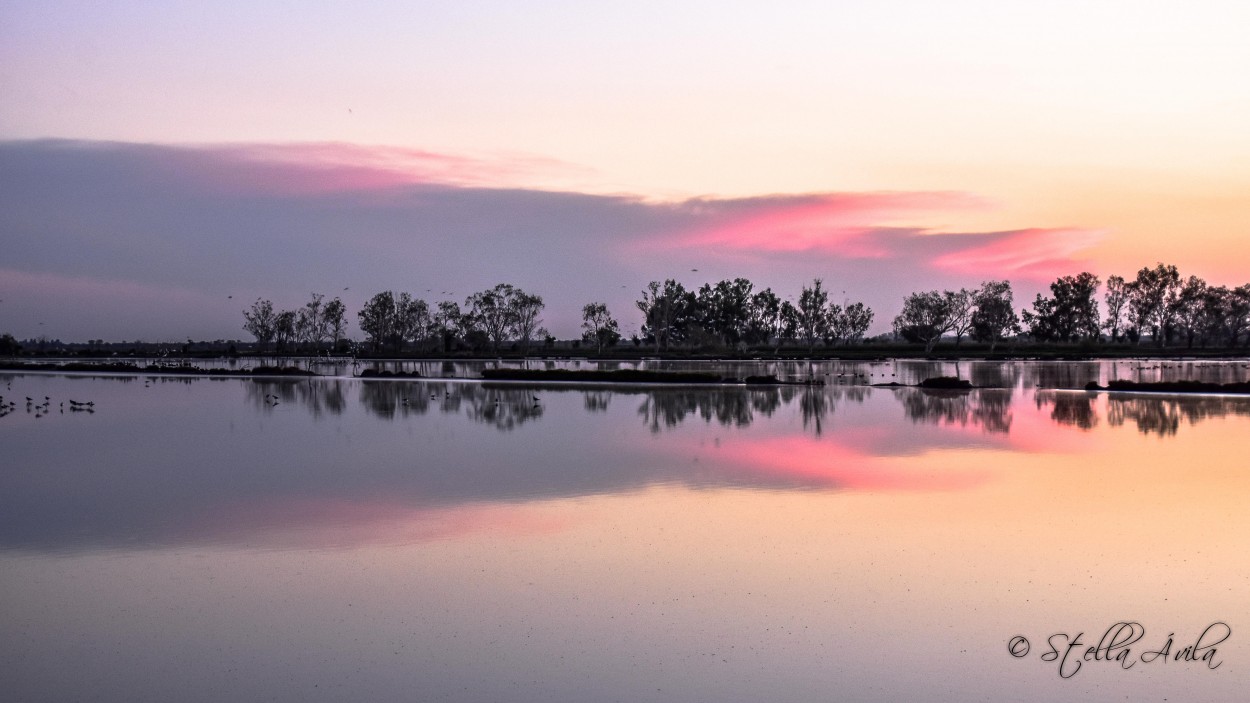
[
  {"x": 761, "y": 380},
  {"x": 946, "y": 383}
]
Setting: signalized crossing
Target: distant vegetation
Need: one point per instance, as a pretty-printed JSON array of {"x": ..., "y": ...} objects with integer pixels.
[{"x": 1157, "y": 309}]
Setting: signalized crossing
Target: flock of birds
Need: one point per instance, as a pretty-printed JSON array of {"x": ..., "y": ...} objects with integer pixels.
[{"x": 45, "y": 408}]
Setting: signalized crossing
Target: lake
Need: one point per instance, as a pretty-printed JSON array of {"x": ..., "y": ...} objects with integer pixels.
[{"x": 342, "y": 539}]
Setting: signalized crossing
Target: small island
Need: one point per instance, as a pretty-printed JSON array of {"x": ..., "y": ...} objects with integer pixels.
[{"x": 1171, "y": 387}]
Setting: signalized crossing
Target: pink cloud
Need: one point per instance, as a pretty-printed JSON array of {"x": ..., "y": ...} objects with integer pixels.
[
  {"x": 1041, "y": 254},
  {"x": 841, "y": 223}
]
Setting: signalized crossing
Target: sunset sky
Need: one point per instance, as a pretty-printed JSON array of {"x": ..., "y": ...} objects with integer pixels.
[{"x": 163, "y": 164}]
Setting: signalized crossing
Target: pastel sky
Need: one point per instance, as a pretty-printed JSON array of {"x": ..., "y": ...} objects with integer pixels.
[{"x": 162, "y": 164}]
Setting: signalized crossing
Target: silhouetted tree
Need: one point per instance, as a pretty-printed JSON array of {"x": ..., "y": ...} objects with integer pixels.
[
  {"x": 502, "y": 312},
  {"x": 995, "y": 314},
  {"x": 284, "y": 329},
  {"x": 961, "y": 304},
  {"x": 849, "y": 324},
  {"x": 925, "y": 318},
  {"x": 1228, "y": 313},
  {"x": 666, "y": 312},
  {"x": 1116, "y": 298},
  {"x": 377, "y": 319},
  {"x": 412, "y": 320},
  {"x": 310, "y": 323},
  {"x": 1071, "y": 315},
  {"x": 1148, "y": 297},
  {"x": 1187, "y": 312},
  {"x": 447, "y": 322},
  {"x": 525, "y": 309},
  {"x": 813, "y": 314},
  {"x": 333, "y": 317},
  {"x": 598, "y": 326},
  {"x": 763, "y": 318},
  {"x": 259, "y": 322}
]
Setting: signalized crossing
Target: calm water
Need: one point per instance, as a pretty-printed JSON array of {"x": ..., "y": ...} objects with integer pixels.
[{"x": 339, "y": 539}]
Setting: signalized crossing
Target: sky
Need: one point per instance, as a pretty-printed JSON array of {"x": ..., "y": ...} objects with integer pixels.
[{"x": 163, "y": 164}]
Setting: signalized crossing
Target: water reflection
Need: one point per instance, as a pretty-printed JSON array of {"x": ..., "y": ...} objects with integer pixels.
[
  {"x": 668, "y": 408},
  {"x": 988, "y": 409},
  {"x": 1071, "y": 409},
  {"x": 1162, "y": 415},
  {"x": 317, "y": 397}
]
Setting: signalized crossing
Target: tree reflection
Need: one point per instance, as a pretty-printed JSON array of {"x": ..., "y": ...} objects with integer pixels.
[
  {"x": 318, "y": 397},
  {"x": 596, "y": 401},
  {"x": 505, "y": 408},
  {"x": 988, "y": 409},
  {"x": 1162, "y": 415},
  {"x": 1073, "y": 409}
]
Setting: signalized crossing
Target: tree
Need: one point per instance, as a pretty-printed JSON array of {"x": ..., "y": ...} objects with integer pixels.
[
  {"x": 523, "y": 313},
  {"x": 813, "y": 314},
  {"x": 310, "y": 324},
  {"x": 724, "y": 309},
  {"x": 284, "y": 329},
  {"x": 490, "y": 313},
  {"x": 925, "y": 318},
  {"x": 995, "y": 314},
  {"x": 259, "y": 322},
  {"x": 598, "y": 327},
  {"x": 333, "y": 317},
  {"x": 854, "y": 321},
  {"x": 412, "y": 320},
  {"x": 1116, "y": 297},
  {"x": 763, "y": 318},
  {"x": 666, "y": 310},
  {"x": 9, "y": 345},
  {"x": 377, "y": 319},
  {"x": 1070, "y": 315},
  {"x": 1187, "y": 311},
  {"x": 447, "y": 322},
  {"x": 788, "y": 322},
  {"x": 1228, "y": 312},
  {"x": 1148, "y": 300},
  {"x": 961, "y": 304}
]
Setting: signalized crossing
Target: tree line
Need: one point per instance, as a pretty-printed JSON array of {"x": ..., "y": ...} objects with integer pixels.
[{"x": 1157, "y": 305}]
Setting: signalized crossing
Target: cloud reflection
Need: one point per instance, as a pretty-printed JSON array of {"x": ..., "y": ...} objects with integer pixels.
[{"x": 342, "y": 460}]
